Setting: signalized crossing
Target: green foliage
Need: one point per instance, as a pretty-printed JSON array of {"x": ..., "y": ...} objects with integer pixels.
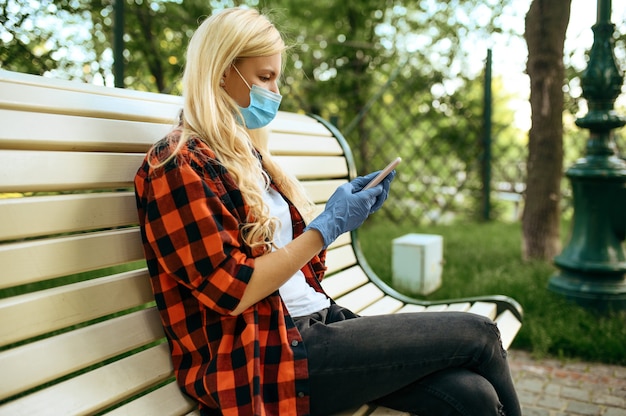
[
  {"x": 393, "y": 74},
  {"x": 40, "y": 37},
  {"x": 156, "y": 34},
  {"x": 73, "y": 39},
  {"x": 483, "y": 259}
]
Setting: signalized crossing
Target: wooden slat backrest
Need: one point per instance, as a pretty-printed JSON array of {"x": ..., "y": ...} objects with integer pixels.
[{"x": 76, "y": 330}]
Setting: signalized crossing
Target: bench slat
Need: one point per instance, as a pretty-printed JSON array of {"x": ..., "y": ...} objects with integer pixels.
[
  {"x": 320, "y": 191},
  {"x": 487, "y": 309},
  {"x": 22, "y": 217},
  {"x": 304, "y": 167},
  {"x": 75, "y": 133},
  {"x": 410, "y": 308},
  {"x": 23, "y": 170},
  {"x": 40, "y": 312},
  {"x": 342, "y": 240},
  {"x": 360, "y": 298},
  {"x": 49, "y": 85},
  {"x": 384, "y": 306},
  {"x": 436, "y": 308},
  {"x": 115, "y": 382},
  {"x": 38, "y": 260},
  {"x": 298, "y": 124},
  {"x": 459, "y": 307},
  {"x": 509, "y": 325},
  {"x": 164, "y": 401},
  {"x": 297, "y": 144},
  {"x": 79, "y": 133},
  {"x": 24, "y": 97},
  {"x": 33, "y": 364},
  {"x": 344, "y": 281},
  {"x": 340, "y": 258}
]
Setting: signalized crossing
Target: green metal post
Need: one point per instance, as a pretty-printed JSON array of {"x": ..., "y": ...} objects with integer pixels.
[
  {"x": 486, "y": 162},
  {"x": 118, "y": 43},
  {"x": 593, "y": 264}
]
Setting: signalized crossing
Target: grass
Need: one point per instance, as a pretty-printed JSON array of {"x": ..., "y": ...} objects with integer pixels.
[{"x": 485, "y": 259}]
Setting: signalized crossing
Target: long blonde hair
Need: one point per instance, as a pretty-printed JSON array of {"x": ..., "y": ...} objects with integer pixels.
[{"x": 210, "y": 114}]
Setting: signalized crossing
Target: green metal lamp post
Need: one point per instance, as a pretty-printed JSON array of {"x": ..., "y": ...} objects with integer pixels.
[{"x": 593, "y": 264}]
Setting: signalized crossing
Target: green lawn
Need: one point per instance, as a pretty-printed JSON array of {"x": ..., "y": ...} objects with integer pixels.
[{"x": 483, "y": 259}]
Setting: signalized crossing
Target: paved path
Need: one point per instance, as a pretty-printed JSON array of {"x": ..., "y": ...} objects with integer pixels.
[{"x": 550, "y": 387}]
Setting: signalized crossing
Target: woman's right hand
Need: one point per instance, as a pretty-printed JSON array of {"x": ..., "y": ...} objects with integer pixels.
[{"x": 349, "y": 207}]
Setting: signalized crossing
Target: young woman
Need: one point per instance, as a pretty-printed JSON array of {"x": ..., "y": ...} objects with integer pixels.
[{"x": 235, "y": 263}]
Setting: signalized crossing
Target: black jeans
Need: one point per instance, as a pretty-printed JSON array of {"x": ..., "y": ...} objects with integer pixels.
[{"x": 427, "y": 363}]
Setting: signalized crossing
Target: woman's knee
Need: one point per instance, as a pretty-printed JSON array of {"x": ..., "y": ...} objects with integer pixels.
[
  {"x": 478, "y": 396},
  {"x": 464, "y": 393},
  {"x": 485, "y": 333}
]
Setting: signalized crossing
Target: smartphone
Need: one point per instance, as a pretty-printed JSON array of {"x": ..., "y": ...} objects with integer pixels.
[{"x": 383, "y": 174}]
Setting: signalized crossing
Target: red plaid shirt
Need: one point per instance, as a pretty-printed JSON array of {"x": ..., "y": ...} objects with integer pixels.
[{"x": 190, "y": 212}]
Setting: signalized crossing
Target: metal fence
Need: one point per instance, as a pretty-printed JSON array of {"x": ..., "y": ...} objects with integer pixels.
[{"x": 449, "y": 169}]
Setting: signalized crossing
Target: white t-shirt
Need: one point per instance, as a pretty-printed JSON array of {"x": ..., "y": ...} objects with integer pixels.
[{"x": 299, "y": 297}]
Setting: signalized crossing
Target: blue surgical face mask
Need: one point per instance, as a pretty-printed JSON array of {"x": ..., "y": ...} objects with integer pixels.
[{"x": 263, "y": 106}]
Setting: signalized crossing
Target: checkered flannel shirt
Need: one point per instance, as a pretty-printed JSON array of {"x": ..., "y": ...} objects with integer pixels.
[{"x": 190, "y": 212}]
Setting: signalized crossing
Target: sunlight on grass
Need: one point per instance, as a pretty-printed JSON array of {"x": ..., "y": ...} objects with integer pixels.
[{"x": 485, "y": 259}]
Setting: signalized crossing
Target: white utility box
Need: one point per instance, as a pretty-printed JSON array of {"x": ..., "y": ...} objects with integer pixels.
[{"x": 417, "y": 263}]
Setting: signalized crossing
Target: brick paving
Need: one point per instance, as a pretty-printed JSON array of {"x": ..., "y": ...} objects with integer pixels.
[{"x": 551, "y": 387}]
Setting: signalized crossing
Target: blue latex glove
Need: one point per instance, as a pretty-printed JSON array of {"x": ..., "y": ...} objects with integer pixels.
[{"x": 348, "y": 207}]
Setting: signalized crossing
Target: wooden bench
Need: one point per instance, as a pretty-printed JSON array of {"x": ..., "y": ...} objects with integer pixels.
[{"x": 79, "y": 333}]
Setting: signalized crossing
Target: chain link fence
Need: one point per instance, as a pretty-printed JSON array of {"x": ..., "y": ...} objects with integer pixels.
[{"x": 441, "y": 140}]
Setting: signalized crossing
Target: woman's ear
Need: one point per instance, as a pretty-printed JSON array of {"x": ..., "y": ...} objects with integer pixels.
[
  {"x": 225, "y": 76},
  {"x": 227, "y": 72}
]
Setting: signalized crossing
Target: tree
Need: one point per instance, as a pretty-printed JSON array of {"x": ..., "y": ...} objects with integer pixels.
[
  {"x": 39, "y": 37},
  {"x": 345, "y": 53},
  {"x": 546, "y": 24},
  {"x": 156, "y": 34},
  {"x": 73, "y": 39}
]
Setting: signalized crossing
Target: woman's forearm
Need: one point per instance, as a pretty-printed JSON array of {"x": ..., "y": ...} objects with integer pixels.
[{"x": 273, "y": 269}]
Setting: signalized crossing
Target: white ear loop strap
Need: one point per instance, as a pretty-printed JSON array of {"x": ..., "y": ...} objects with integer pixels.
[{"x": 242, "y": 78}]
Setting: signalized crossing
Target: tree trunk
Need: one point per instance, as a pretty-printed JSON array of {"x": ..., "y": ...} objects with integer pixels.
[{"x": 546, "y": 23}]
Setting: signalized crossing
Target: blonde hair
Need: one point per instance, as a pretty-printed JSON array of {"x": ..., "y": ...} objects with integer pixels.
[{"x": 210, "y": 114}]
